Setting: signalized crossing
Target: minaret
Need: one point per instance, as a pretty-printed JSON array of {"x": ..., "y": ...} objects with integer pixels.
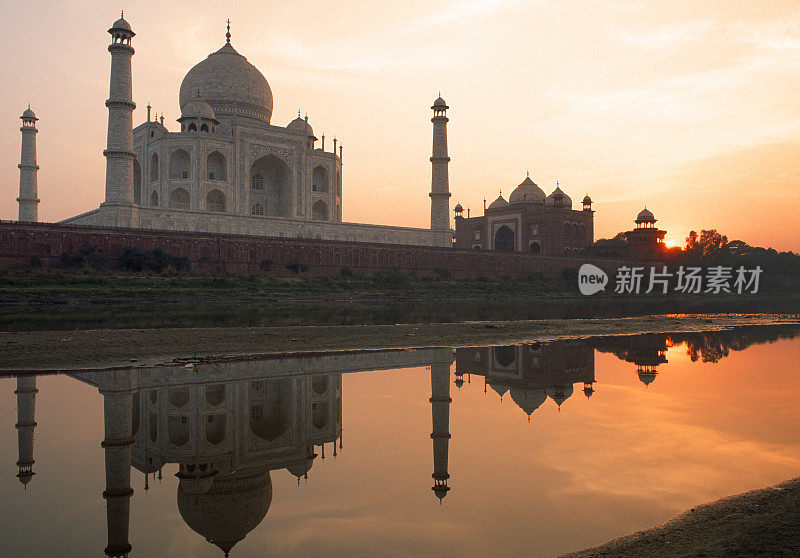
[
  {"x": 26, "y": 409},
  {"x": 440, "y": 182},
  {"x": 440, "y": 411},
  {"x": 118, "y": 442},
  {"x": 119, "y": 152},
  {"x": 28, "y": 185}
]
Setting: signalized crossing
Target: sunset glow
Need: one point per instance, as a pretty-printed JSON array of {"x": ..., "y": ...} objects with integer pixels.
[{"x": 688, "y": 109}]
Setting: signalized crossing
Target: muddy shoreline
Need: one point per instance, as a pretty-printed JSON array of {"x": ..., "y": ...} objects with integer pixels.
[
  {"x": 764, "y": 522},
  {"x": 48, "y": 350}
]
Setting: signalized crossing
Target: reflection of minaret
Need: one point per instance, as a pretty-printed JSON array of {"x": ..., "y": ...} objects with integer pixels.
[
  {"x": 440, "y": 411},
  {"x": 117, "y": 412},
  {"x": 26, "y": 409}
]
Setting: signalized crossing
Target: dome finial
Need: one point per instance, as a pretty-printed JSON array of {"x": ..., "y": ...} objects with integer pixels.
[
  {"x": 228, "y": 32},
  {"x": 122, "y": 14}
]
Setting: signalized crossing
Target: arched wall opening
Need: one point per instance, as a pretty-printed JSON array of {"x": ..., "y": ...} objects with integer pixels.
[
  {"x": 319, "y": 180},
  {"x": 319, "y": 211},
  {"x": 137, "y": 182},
  {"x": 216, "y": 166},
  {"x": 215, "y": 201},
  {"x": 179, "y": 199},
  {"x": 179, "y": 165},
  {"x": 154, "y": 167},
  {"x": 271, "y": 186},
  {"x": 504, "y": 239}
]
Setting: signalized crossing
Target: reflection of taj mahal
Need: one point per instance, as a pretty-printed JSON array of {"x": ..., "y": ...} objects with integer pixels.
[{"x": 227, "y": 426}]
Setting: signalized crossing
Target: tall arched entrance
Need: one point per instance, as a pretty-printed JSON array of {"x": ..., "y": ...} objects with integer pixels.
[
  {"x": 270, "y": 186},
  {"x": 504, "y": 239}
]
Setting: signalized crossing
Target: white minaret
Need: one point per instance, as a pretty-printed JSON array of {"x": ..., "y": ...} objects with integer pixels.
[
  {"x": 119, "y": 151},
  {"x": 26, "y": 410},
  {"x": 440, "y": 413},
  {"x": 440, "y": 182},
  {"x": 28, "y": 184}
]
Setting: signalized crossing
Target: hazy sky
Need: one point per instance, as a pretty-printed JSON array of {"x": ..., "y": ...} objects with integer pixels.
[{"x": 689, "y": 107}]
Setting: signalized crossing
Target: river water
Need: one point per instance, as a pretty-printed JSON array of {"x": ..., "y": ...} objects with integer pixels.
[{"x": 527, "y": 450}]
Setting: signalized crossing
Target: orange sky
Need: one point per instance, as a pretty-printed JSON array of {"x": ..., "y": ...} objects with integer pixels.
[{"x": 688, "y": 107}]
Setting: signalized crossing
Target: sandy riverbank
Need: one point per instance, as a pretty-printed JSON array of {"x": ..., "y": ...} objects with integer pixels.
[
  {"x": 45, "y": 350},
  {"x": 763, "y": 522}
]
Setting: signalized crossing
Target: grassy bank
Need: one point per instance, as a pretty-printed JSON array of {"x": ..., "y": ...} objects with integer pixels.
[{"x": 47, "y": 299}]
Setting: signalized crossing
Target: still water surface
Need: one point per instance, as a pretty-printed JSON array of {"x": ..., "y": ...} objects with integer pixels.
[{"x": 527, "y": 450}]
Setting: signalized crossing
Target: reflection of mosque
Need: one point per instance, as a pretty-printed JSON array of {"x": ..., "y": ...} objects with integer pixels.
[
  {"x": 227, "y": 426},
  {"x": 646, "y": 351},
  {"x": 531, "y": 373}
]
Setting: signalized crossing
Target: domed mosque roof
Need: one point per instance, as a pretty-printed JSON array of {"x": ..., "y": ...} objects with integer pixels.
[
  {"x": 528, "y": 400},
  {"x": 527, "y": 191},
  {"x": 121, "y": 24},
  {"x": 230, "y": 84},
  {"x": 29, "y": 113},
  {"x": 559, "y": 198},
  {"x": 197, "y": 109},
  {"x": 235, "y": 504},
  {"x": 645, "y": 216},
  {"x": 440, "y": 103},
  {"x": 299, "y": 125},
  {"x": 498, "y": 203},
  {"x": 458, "y": 207},
  {"x": 587, "y": 200}
]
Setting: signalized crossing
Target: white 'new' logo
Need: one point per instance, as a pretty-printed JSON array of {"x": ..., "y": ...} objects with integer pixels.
[{"x": 591, "y": 279}]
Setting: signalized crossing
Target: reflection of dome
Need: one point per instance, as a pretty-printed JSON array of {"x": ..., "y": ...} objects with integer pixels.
[
  {"x": 499, "y": 202},
  {"x": 559, "y": 199},
  {"x": 559, "y": 394},
  {"x": 647, "y": 377},
  {"x": 527, "y": 191},
  {"x": 528, "y": 400},
  {"x": 230, "y": 84},
  {"x": 645, "y": 216},
  {"x": 300, "y": 468},
  {"x": 234, "y": 505},
  {"x": 499, "y": 388}
]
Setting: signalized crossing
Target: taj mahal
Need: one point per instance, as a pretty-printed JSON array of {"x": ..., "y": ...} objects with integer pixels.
[{"x": 229, "y": 169}]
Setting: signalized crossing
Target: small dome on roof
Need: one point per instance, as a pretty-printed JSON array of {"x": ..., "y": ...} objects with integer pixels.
[
  {"x": 559, "y": 199},
  {"x": 29, "y": 113},
  {"x": 587, "y": 200},
  {"x": 440, "y": 102},
  {"x": 498, "y": 203},
  {"x": 645, "y": 216},
  {"x": 198, "y": 109},
  {"x": 299, "y": 125},
  {"x": 459, "y": 208},
  {"x": 527, "y": 191}
]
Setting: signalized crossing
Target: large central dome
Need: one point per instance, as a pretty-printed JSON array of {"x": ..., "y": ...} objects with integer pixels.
[{"x": 230, "y": 84}]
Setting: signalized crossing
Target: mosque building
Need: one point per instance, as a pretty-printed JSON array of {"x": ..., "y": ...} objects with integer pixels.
[
  {"x": 229, "y": 169},
  {"x": 529, "y": 221}
]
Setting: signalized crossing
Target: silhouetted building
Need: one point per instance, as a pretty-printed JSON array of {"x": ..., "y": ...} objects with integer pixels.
[
  {"x": 529, "y": 222},
  {"x": 645, "y": 242},
  {"x": 533, "y": 372}
]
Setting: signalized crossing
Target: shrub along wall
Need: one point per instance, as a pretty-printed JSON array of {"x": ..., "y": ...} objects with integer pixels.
[{"x": 50, "y": 244}]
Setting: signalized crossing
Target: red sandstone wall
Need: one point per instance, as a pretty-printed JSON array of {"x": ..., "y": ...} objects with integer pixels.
[{"x": 244, "y": 254}]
